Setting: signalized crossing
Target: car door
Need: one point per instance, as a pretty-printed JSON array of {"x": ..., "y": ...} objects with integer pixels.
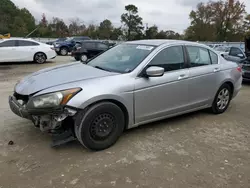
[
  {"x": 8, "y": 51},
  {"x": 158, "y": 97},
  {"x": 26, "y": 50},
  {"x": 91, "y": 49},
  {"x": 236, "y": 55},
  {"x": 204, "y": 75}
]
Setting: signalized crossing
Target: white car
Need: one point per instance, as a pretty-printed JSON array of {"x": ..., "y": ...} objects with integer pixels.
[{"x": 20, "y": 49}]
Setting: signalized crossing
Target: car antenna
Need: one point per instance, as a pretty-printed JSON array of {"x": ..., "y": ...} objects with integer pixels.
[{"x": 31, "y": 33}]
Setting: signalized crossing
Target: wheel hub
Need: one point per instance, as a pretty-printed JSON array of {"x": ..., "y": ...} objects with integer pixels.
[
  {"x": 223, "y": 99},
  {"x": 102, "y": 126}
]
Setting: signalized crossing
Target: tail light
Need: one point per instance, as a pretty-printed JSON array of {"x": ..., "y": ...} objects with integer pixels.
[{"x": 239, "y": 68}]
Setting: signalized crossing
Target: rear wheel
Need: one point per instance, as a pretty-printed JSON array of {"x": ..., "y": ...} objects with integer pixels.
[
  {"x": 40, "y": 58},
  {"x": 100, "y": 126},
  {"x": 222, "y": 99},
  {"x": 64, "y": 51}
]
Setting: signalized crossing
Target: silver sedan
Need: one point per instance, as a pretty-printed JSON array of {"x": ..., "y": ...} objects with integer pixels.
[{"x": 131, "y": 84}]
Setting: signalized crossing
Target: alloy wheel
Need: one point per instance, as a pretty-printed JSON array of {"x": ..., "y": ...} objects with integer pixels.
[
  {"x": 40, "y": 58},
  {"x": 223, "y": 99}
]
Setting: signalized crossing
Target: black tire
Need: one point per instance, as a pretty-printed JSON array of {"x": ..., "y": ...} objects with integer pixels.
[
  {"x": 77, "y": 58},
  {"x": 100, "y": 126},
  {"x": 40, "y": 58},
  {"x": 64, "y": 51},
  {"x": 217, "y": 107}
]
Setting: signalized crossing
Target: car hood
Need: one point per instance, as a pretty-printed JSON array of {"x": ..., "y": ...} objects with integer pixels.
[{"x": 58, "y": 75}]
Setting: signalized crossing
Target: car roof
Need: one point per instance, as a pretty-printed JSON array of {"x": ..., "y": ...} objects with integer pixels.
[
  {"x": 159, "y": 42},
  {"x": 91, "y": 41},
  {"x": 16, "y": 38}
]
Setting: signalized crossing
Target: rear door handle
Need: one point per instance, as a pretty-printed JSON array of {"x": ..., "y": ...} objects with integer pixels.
[
  {"x": 216, "y": 69},
  {"x": 182, "y": 76}
]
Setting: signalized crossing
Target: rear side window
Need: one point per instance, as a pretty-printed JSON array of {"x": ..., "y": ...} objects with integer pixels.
[
  {"x": 198, "y": 56},
  {"x": 27, "y": 43},
  {"x": 214, "y": 57},
  {"x": 8, "y": 43},
  {"x": 89, "y": 45}
]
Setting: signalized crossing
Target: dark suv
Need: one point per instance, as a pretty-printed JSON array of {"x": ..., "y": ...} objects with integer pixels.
[
  {"x": 88, "y": 49},
  {"x": 64, "y": 47}
]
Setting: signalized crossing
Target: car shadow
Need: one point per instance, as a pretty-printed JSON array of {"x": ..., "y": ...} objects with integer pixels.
[{"x": 146, "y": 128}]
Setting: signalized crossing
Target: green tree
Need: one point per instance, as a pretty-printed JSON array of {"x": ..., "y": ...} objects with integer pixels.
[
  {"x": 133, "y": 22},
  {"x": 151, "y": 32},
  {"x": 217, "y": 20},
  {"x": 247, "y": 25},
  {"x": 105, "y": 29},
  {"x": 58, "y": 27}
]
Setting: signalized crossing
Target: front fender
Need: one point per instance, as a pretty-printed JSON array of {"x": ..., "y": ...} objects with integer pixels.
[{"x": 84, "y": 100}]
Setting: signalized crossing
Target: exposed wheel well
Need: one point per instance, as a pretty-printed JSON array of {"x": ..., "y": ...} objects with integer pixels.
[
  {"x": 230, "y": 85},
  {"x": 120, "y": 105},
  {"x": 39, "y": 52}
]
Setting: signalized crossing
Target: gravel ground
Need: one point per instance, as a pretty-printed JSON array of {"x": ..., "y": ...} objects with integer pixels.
[{"x": 194, "y": 150}]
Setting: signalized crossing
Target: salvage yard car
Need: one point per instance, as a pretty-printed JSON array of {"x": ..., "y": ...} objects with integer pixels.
[
  {"x": 131, "y": 84},
  {"x": 23, "y": 50}
]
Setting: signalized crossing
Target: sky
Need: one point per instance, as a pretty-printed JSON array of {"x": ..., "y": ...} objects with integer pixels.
[{"x": 166, "y": 14}]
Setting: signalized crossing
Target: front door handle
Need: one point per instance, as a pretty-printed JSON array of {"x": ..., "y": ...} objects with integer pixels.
[
  {"x": 216, "y": 69},
  {"x": 182, "y": 76}
]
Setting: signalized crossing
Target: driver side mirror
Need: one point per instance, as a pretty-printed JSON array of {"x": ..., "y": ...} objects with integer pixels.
[{"x": 155, "y": 71}]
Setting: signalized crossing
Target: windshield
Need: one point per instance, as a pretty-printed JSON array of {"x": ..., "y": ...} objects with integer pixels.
[
  {"x": 222, "y": 48},
  {"x": 122, "y": 58}
]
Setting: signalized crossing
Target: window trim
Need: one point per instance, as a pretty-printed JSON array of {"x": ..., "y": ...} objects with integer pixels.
[
  {"x": 189, "y": 61},
  {"x": 142, "y": 71}
]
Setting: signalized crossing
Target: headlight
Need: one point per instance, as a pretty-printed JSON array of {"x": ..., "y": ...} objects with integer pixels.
[{"x": 52, "y": 99}]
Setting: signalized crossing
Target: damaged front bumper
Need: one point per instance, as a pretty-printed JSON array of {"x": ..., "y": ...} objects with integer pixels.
[{"x": 49, "y": 120}]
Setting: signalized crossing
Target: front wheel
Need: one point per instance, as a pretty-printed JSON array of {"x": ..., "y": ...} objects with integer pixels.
[
  {"x": 222, "y": 99},
  {"x": 100, "y": 126},
  {"x": 77, "y": 58},
  {"x": 40, "y": 58},
  {"x": 84, "y": 58}
]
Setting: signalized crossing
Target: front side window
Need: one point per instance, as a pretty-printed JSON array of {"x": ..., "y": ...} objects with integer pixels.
[
  {"x": 122, "y": 58},
  {"x": 235, "y": 51},
  {"x": 8, "y": 43},
  {"x": 170, "y": 59},
  {"x": 198, "y": 56},
  {"x": 27, "y": 43}
]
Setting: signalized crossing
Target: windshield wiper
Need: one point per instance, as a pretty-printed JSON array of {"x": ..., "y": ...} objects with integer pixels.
[{"x": 101, "y": 68}]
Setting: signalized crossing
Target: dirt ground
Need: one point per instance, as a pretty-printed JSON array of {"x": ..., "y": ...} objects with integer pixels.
[{"x": 195, "y": 150}]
